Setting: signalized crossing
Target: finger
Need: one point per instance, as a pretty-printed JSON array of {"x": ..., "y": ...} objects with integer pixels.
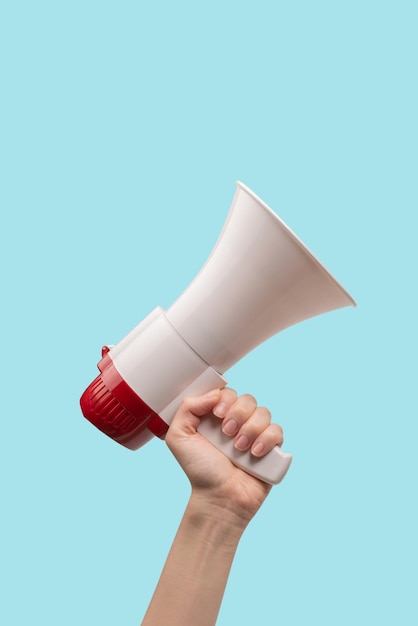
[
  {"x": 238, "y": 413},
  {"x": 227, "y": 399},
  {"x": 258, "y": 421},
  {"x": 268, "y": 438}
]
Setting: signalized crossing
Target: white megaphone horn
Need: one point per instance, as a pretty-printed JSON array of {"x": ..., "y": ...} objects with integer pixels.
[{"x": 259, "y": 279}]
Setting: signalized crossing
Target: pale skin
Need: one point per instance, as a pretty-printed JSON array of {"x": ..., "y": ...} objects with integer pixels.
[{"x": 223, "y": 501}]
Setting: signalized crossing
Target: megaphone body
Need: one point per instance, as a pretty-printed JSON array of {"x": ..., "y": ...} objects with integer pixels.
[{"x": 259, "y": 279}]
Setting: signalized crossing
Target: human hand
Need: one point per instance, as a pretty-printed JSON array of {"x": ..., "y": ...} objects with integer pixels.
[{"x": 214, "y": 479}]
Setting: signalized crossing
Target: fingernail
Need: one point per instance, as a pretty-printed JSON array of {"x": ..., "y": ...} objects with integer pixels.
[
  {"x": 241, "y": 443},
  {"x": 230, "y": 428},
  {"x": 219, "y": 410},
  {"x": 258, "y": 449}
]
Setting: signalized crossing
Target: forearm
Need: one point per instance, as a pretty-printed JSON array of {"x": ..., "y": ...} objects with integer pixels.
[{"x": 192, "y": 584}]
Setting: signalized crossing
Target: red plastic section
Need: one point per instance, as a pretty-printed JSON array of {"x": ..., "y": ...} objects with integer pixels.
[
  {"x": 113, "y": 407},
  {"x": 157, "y": 426}
]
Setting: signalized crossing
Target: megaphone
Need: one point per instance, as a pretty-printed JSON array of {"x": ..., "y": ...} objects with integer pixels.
[{"x": 259, "y": 279}]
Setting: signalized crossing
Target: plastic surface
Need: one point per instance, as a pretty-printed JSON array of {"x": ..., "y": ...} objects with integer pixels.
[
  {"x": 160, "y": 367},
  {"x": 258, "y": 280}
]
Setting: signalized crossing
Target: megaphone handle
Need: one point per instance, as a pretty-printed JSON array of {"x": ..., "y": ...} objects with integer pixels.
[{"x": 270, "y": 468}]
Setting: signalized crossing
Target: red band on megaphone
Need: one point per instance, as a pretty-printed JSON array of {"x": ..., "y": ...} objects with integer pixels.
[{"x": 112, "y": 406}]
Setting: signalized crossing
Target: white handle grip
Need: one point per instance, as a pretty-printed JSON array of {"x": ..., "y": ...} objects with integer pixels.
[{"x": 270, "y": 468}]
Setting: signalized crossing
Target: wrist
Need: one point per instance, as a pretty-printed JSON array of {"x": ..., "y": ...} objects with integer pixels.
[{"x": 215, "y": 520}]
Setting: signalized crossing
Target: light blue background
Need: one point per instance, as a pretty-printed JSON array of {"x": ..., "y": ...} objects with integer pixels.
[{"x": 123, "y": 128}]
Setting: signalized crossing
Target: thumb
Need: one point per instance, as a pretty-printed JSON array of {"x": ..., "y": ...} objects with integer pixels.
[
  {"x": 201, "y": 405},
  {"x": 188, "y": 416}
]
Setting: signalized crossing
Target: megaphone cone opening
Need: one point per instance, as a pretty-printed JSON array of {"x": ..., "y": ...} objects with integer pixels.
[{"x": 349, "y": 300}]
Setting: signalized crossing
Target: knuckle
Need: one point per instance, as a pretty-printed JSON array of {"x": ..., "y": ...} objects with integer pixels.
[
  {"x": 249, "y": 399},
  {"x": 265, "y": 412},
  {"x": 228, "y": 395},
  {"x": 277, "y": 433},
  {"x": 243, "y": 408},
  {"x": 185, "y": 404}
]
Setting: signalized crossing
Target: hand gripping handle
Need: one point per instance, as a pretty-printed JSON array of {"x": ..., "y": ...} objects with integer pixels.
[{"x": 270, "y": 468}]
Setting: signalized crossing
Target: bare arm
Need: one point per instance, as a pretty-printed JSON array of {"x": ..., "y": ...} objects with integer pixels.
[{"x": 223, "y": 501}]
